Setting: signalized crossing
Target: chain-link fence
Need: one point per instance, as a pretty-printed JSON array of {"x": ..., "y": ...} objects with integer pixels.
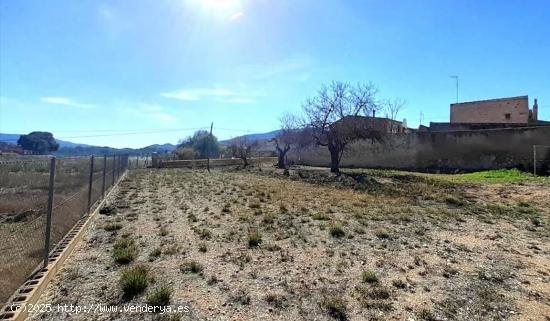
[
  {"x": 23, "y": 198},
  {"x": 136, "y": 162},
  {"x": 41, "y": 200}
]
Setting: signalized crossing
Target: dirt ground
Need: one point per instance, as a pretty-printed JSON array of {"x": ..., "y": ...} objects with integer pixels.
[{"x": 306, "y": 245}]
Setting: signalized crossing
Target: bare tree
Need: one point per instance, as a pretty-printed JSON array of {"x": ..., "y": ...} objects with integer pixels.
[
  {"x": 394, "y": 106},
  {"x": 287, "y": 137},
  {"x": 332, "y": 117},
  {"x": 241, "y": 147}
]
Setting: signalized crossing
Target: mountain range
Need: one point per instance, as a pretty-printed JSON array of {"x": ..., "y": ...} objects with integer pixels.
[{"x": 67, "y": 148}]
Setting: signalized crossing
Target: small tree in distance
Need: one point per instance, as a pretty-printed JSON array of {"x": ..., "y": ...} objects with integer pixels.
[
  {"x": 394, "y": 106},
  {"x": 331, "y": 116},
  {"x": 38, "y": 142},
  {"x": 241, "y": 147},
  {"x": 288, "y": 136},
  {"x": 202, "y": 143}
]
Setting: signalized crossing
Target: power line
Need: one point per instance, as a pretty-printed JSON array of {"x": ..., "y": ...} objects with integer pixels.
[{"x": 135, "y": 133}]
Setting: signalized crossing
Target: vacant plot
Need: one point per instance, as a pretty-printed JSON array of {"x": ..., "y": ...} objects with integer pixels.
[{"x": 304, "y": 244}]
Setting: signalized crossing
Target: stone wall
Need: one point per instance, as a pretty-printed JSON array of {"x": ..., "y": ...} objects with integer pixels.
[
  {"x": 492, "y": 111},
  {"x": 440, "y": 151}
]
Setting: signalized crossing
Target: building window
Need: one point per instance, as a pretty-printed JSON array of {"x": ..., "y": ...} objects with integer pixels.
[{"x": 507, "y": 116}]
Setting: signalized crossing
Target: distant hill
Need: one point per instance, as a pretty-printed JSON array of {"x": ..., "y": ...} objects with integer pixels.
[
  {"x": 67, "y": 148},
  {"x": 9, "y": 138},
  {"x": 12, "y": 139},
  {"x": 164, "y": 147},
  {"x": 255, "y": 137},
  {"x": 97, "y": 150}
]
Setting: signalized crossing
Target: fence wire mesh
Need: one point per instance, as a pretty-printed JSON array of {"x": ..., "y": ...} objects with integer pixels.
[
  {"x": 23, "y": 201},
  {"x": 70, "y": 195},
  {"x": 24, "y": 189},
  {"x": 138, "y": 162}
]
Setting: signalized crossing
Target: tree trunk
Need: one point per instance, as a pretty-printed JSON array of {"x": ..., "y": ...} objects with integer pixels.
[
  {"x": 334, "y": 159},
  {"x": 281, "y": 159},
  {"x": 281, "y": 155}
]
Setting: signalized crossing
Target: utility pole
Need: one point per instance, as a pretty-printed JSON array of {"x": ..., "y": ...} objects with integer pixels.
[
  {"x": 456, "y": 78},
  {"x": 208, "y": 148}
]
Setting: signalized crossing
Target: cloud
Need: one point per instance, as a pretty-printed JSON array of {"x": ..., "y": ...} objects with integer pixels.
[
  {"x": 236, "y": 16},
  {"x": 215, "y": 94},
  {"x": 149, "y": 111},
  {"x": 64, "y": 101}
]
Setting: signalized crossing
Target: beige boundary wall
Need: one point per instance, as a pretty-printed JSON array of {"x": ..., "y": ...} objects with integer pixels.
[
  {"x": 200, "y": 163},
  {"x": 441, "y": 151}
]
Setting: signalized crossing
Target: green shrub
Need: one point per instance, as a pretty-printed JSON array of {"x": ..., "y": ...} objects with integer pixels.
[
  {"x": 400, "y": 284},
  {"x": 163, "y": 231},
  {"x": 321, "y": 217},
  {"x": 134, "y": 280},
  {"x": 379, "y": 293},
  {"x": 171, "y": 249},
  {"x": 203, "y": 248},
  {"x": 191, "y": 267},
  {"x": 205, "y": 233},
  {"x": 160, "y": 296},
  {"x": 335, "y": 307},
  {"x": 369, "y": 277},
  {"x": 452, "y": 200},
  {"x": 274, "y": 299},
  {"x": 155, "y": 253},
  {"x": 254, "y": 205},
  {"x": 112, "y": 227},
  {"x": 254, "y": 238},
  {"x": 336, "y": 230},
  {"x": 124, "y": 250},
  {"x": 382, "y": 233},
  {"x": 268, "y": 219},
  {"x": 108, "y": 210},
  {"x": 426, "y": 315}
]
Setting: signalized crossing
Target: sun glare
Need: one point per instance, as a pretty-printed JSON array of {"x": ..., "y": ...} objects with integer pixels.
[{"x": 221, "y": 4}]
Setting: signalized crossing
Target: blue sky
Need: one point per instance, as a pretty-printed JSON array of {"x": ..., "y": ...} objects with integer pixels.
[{"x": 91, "y": 68}]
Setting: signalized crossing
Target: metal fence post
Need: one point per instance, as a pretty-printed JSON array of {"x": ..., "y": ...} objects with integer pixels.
[
  {"x": 90, "y": 183},
  {"x": 104, "y": 172},
  {"x": 49, "y": 213}
]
